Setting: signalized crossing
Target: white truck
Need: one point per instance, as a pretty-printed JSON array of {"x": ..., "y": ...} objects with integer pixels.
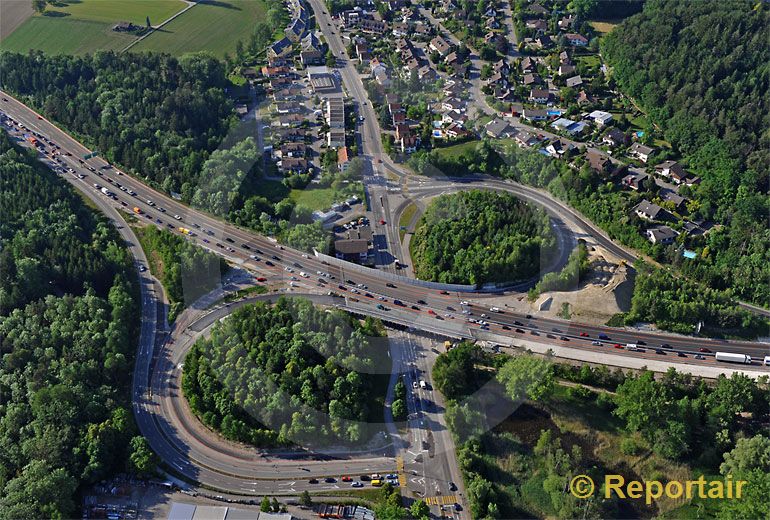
[
  {"x": 767, "y": 361},
  {"x": 632, "y": 347},
  {"x": 730, "y": 357}
]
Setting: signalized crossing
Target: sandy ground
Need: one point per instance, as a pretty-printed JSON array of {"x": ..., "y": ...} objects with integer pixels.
[
  {"x": 12, "y": 14},
  {"x": 606, "y": 291}
]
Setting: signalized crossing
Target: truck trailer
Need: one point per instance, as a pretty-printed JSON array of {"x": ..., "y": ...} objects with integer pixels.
[{"x": 730, "y": 357}]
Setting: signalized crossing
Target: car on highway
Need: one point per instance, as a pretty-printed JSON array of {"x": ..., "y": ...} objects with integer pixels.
[
  {"x": 597, "y": 343},
  {"x": 313, "y": 481},
  {"x": 452, "y": 486},
  {"x": 681, "y": 354},
  {"x": 584, "y": 335},
  {"x": 704, "y": 350},
  {"x": 381, "y": 307},
  {"x": 698, "y": 356},
  {"x": 269, "y": 263},
  {"x": 357, "y": 484},
  {"x": 347, "y": 479},
  {"x": 659, "y": 351},
  {"x": 415, "y": 307},
  {"x": 391, "y": 285},
  {"x": 330, "y": 480},
  {"x": 421, "y": 302}
]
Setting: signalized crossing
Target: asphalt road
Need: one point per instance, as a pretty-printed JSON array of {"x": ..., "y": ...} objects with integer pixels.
[{"x": 213, "y": 464}]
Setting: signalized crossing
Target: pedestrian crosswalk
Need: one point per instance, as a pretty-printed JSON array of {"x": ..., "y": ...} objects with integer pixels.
[
  {"x": 441, "y": 500},
  {"x": 400, "y": 471}
]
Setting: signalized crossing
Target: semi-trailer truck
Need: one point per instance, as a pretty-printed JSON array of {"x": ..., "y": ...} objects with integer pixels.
[{"x": 730, "y": 357}]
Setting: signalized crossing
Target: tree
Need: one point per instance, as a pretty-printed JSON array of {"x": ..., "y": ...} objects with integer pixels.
[
  {"x": 143, "y": 460},
  {"x": 527, "y": 377},
  {"x": 304, "y": 499},
  {"x": 419, "y": 509},
  {"x": 748, "y": 454},
  {"x": 399, "y": 410},
  {"x": 265, "y": 505},
  {"x": 276, "y": 507},
  {"x": 39, "y": 6}
]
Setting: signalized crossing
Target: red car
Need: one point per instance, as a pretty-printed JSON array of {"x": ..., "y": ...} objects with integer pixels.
[
  {"x": 704, "y": 349},
  {"x": 618, "y": 345},
  {"x": 261, "y": 279},
  {"x": 431, "y": 311},
  {"x": 584, "y": 335},
  {"x": 347, "y": 479},
  {"x": 382, "y": 222}
]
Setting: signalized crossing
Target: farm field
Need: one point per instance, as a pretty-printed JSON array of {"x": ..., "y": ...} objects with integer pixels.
[
  {"x": 64, "y": 36},
  {"x": 83, "y": 26},
  {"x": 214, "y": 27}
]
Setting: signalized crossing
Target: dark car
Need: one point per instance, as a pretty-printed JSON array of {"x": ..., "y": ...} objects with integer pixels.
[
  {"x": 520, "y": 331},
  {"x": 529, "y": 316},
  {"x": 274, "y": 257},
  {"x": 268, "y": 262},
  {"x": 245, "y": 246},
  {"x": 342, "y": 287},
  {"x": 665, "y": 345},
  {"x": 518, "y": 323},
  {"x": 415, "y": 307},
  {"x": 313, "y": 481},
  {"x": 506, "y": 327},
  {"x": 534, "y": 332},
  {"x": 452, "y": 486},
  {"x": 421, "y": 302},
  {"x": 229, "y": 240},
  {"x": 705, "y": 350},
  {"x": 330, "y": 480},
  {"x": 681, "y": 354},
  {"x": 392, "y": 286},
  {"x": 365, "y": 478},
  {"x": 658, "y": 351}
]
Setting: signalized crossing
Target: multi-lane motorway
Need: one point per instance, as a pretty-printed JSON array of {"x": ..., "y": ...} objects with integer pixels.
[{"x": 209, "y": 460}]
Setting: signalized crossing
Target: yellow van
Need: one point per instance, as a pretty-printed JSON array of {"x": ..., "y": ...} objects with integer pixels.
[{"x": 376, "y": 483}]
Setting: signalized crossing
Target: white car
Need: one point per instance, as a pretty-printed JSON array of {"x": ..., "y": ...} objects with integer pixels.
[
  {"x": 177, "y": 217},
  {"x": 464, "y": 302}
]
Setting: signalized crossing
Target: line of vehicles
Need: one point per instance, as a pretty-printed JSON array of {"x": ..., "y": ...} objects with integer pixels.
[
  {"x": 375, "y": 480},
  {"x": 40, "y": 142}
]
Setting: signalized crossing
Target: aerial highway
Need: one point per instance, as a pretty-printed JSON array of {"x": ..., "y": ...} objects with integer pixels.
[
  {"x": 253, "y": 251},
  {"x": 363, "y": 291}
]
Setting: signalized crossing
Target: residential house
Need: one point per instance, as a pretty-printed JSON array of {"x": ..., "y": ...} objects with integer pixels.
[
  {"x": 539, "y": 95},
  {"x": 564, "y": 58},
  {"x": 528, "y": 65},
  {"x": 373, "y": 26},
  {"x": 575, "y": 81},
  {"x": 537, "y": 24},
  {"x": 566, "y": 22},
  {"x": 440, "y": 45},
  {"x": 335, "y": 138},
  {"x": 649, "y": 211},
  {"x": 584, "y": 98},
  {"x": 453, "y": 104},
  {"x": 409, "y": 143},
  {"x": 498, "y": 128},
  {"x": 380, "y": 75},
  {"x": 614, "y": 137},
  {"x": 293, "y": 165},
  {"x": 538, "y": 9},
  {"x": 635, "y": 180},
  {"x": 598, "y": 162},
  {"x": 569, "y": 126},
  {"x": 661, "y": 235},
  {"x": 543, "y": 41},
  {"x": 343, "y": 161},
  {"x": 295, "y": 30},
  {"x": 576, "y": 40},
  {"x": 525, "y": 139},
  {"x": 672, "y": 170},
  {"x": 600, "y": 117},
  {"x": 531, "y": 79},
  {"x": 352, "y": 250},
  {"x": 641, "y": 152},
  {"x": 534, "y": 114},
  {"x": 565, "y": 69},
  {"x": 673, "y": 197},
  {"x": 557, "y": 148},
  {"x": 311, "y": 50},
  {"x": 280, "y": 49}
]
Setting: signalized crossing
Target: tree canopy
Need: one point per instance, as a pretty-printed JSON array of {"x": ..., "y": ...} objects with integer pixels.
[
  {"x": 478, "y": 236},
  {"x": 286, "y": 373},
  {"x": 68, "y": 322}
]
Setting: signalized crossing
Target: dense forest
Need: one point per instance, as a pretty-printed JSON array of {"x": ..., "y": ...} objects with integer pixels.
[
  {"x": 477, "y": 236},
  {"x": 157, "y": 115},
  {"x": 701, "y": 71},
  {"x": 286, "y": 373},
  {"x": 68, "y": 322},
  {"x": 186, "y": 270},
  {"x": 520, "y": 468}
]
